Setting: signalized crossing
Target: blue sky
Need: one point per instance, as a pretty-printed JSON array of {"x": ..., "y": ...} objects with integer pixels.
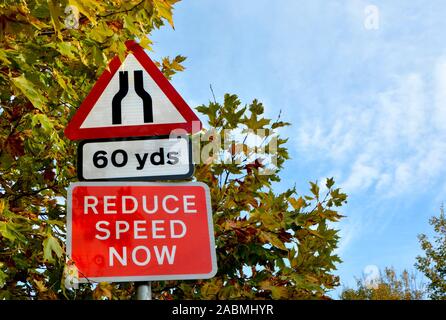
[{"x": 367, "y": 106}]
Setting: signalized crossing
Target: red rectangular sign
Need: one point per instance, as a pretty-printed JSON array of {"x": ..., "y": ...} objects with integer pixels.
[{"x": 137, "y": 231}]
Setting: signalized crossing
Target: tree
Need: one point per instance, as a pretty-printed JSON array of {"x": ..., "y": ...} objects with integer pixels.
[
  {"x": 51, "y": 54},
  {"x": 433, "y": 264},
  {"x": 387, "y": 287},
  {"x": 269, "y": 245}
]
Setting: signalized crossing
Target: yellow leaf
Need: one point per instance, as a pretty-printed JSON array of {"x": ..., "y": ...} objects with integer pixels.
[
  {"x": 315, "y": 233},
  {"x": 270, "y": 221},
  {"x": 55, "y": 13},
  {"x": 104, "y": 289},
  {"x": 164, "y": 9},
  {"x": 27, "y": 88},
  {"x": 279, "y": 292},
  {"x": 3, "y": 57},
  {"x": 210, "y": 289},
  {"x": 297, "y": 204},
  {"x": 265, "y": 285},
  {"x": 88, "y": 8},
  {"x": 272, "y": 239},
  {"x": 2, "y": 205},
  {"x": 312, "y": 279},
  {"x": 40, "y": 286},
  {"x": 146, "y": 43}
]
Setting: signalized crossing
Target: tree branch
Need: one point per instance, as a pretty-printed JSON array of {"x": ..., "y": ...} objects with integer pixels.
[{"x": 123, "y": 11}]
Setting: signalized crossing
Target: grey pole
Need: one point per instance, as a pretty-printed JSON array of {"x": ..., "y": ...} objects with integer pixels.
[{"x": 144, "y": 291}]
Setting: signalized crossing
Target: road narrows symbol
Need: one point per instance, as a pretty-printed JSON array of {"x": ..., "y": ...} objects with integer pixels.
[
  {"x": 140, "y": 91},
  {"x": 114, "y": 105},
  {"x": 117, "y": 99},
  {"x": 144, "y": 95}
]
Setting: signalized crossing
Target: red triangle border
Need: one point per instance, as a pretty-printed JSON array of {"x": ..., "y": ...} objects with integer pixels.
[{"x": 74, "y": 132}]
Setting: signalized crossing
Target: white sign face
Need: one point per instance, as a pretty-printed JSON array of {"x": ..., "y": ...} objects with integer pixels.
[
  {"x": 128, "y": 90},
  {"x": 132, "y": 98},
  {"x": 148, "y": 158}
]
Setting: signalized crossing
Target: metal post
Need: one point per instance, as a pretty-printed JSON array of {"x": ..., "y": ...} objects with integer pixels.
[{"x": 144, "y": 290}]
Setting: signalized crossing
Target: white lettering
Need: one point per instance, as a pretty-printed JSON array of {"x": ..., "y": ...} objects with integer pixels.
[
  {"x": 108, "y": 204},
  {"x": 186, "y": 204},
  {"x": 138, "y": 229},
  {"x": 120, "y": 230},
  {"x": 125, "y": 210},
  {"x": 99, "y": 229},
  {"x": 155, "y": 229},
  {"x": 172, "y": 229},
  {"x": 122, "y": 259},
  {"x": 135, "y": 260},
  {"x": 165, "y": 204},
  {"x": 90, "y": 205},
  {"x": 155, "y": 205},
  {"x": 165, "y": 253}
]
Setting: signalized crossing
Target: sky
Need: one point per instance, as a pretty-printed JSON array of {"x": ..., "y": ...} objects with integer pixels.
[{"x": 363, "y": 84}]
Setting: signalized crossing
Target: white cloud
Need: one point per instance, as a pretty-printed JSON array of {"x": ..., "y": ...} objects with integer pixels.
[
  {"x": 361, "y": 176},
  {"x": 395, "y": 144},
  {"x": 351, "y": 228},
  {"x": 356, "y": 10},
  {"x": 439, "y": 113}
]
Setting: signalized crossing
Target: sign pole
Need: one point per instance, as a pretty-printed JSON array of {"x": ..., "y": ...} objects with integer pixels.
[{"x": 144, "y": 290}]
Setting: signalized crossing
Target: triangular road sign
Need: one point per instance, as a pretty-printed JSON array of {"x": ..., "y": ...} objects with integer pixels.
[{"x": 131, "y": 99}]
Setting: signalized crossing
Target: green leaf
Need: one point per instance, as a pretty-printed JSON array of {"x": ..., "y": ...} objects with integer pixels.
[
  {"x": 165, "y": 9},
  {"x": 269, "y": 221},
  {"x": 3, "y": 57},
  {"x": 67, "y": 49},
  {"x": 330, "y": 183},
  {"x": 27, "y": 88},
  {"x": 55, "y": 222},
  {"x": 11, "y": 231},
  {"x": 314, "y": 189},
  {"x": 315, "y": 233},
  {"x": 278, "y": 293},
  {"x": 55, "y": 13},
  {"x": 43, "y": 121},
  {"x": 6, "y": 160},
  {"x": 279, "y": 124},
  {"x": 50, "y": 245},
  {"x": 271, "y": 238},
  {"x": 3, "y": 277}
]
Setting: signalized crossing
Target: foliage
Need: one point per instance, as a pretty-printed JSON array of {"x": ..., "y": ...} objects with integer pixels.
[
  {"x": 269, "y": 245},
  {"x": 49, "y": 62},
  {"x": 433, "y": 264},
  {"x": 388, "y": 286}
]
